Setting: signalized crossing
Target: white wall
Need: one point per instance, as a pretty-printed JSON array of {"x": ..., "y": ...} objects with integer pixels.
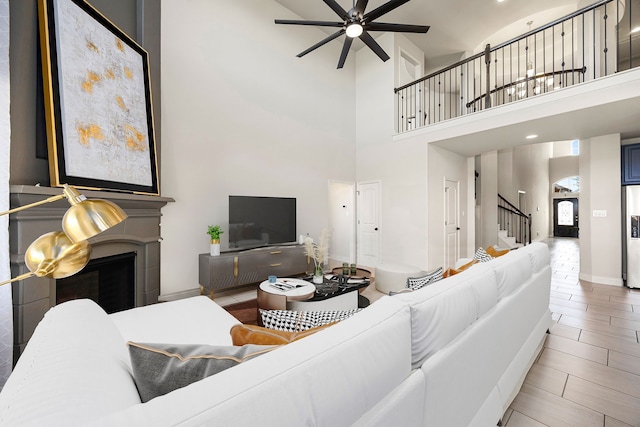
[
  {"x": 401, "y": 166},
  {"x": 600, "y": 237},
  {"x": 563, "y": 167},
  {"x": 507, "y": 185},
  {"x": 561, "y": 148},
  {"x": 241, "y": 115},
  {"x": 6, "y": 312},
  {"x": 531, "y": 163},
  {"x": 487, "y": 226},
  {"x": 526, "y": 168},
  {"x": 342, "y": 210}
]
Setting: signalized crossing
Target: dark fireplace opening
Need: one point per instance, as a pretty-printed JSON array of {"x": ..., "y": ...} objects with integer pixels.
[{"x": 109, "y": 281}]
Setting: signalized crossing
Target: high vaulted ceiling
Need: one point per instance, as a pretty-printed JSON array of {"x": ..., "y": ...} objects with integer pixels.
[
  {"x": 466, "y": 26},
  {"x": 457, "y": 26}
]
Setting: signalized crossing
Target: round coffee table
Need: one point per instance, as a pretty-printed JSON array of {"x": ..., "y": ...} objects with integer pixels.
[{"x": 274, "y": 296}]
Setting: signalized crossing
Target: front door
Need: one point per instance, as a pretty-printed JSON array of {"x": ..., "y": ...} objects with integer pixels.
[
  {"x": 565, "y": 217},
  {"x": 451, "y": 223}
]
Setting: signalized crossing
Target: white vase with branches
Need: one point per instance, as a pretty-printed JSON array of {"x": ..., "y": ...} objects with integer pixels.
[{"x": 318, "y": 253}]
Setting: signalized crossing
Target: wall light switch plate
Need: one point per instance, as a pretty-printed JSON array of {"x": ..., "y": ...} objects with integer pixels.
[{"x": 599, "y": 213}]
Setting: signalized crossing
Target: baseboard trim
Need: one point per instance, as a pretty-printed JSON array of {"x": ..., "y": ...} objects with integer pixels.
[
  {"x": 179, "y": 295},
  {"x": 612, "y": 281}
]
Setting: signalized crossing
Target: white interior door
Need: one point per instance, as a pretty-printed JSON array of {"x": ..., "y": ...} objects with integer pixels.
[
  {"x": 368, "y": 211},
  {"x": 451, "y": 223}
]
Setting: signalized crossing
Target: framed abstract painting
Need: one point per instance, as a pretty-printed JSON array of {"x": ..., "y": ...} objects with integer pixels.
[{"x": 99, "y": 119}]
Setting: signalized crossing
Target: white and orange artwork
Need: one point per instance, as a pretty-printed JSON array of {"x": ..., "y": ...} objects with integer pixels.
[{"x": 102, "y": 99}]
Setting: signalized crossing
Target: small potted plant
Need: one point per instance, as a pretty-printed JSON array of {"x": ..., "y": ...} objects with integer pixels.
[{"x": 214, "y": 232}]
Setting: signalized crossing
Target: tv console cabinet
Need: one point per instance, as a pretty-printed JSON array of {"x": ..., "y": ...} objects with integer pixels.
[{"x": 233, "y": 269}]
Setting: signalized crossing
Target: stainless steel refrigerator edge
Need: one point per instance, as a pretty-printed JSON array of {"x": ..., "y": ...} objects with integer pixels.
[{"x": 631, "y": 238}]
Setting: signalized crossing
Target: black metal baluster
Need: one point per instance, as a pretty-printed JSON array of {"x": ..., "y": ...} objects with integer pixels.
[
  {"x": 595, "y": 52},
  {"x": 606, "y": 48}
]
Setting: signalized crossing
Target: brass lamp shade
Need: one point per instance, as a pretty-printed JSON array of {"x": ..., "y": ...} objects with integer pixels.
[
  {"x": 58, "y": 255},
  {"x": 55, "y": 256},
  {"x": 86, "y": 218}
]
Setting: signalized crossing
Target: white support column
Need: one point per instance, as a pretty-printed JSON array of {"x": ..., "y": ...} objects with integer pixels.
[{"x": 6, "y": 307}]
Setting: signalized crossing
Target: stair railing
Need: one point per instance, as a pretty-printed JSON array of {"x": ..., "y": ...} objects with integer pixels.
[
  {"x": 587, "y": 44},
  {"x": 514, "y": 221}
]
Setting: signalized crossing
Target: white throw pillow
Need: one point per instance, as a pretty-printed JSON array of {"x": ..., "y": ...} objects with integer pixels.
[
  {"x": 415, "y": 283},
  {"x": 482, "y": 256},
  {"x": 296, "y": 321}
]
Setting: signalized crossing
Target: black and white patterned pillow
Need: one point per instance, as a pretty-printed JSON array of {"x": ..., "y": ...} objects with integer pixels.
[
  {"x": 482, "y": 256},
  {"x": 415, "y": 283},
  {"x": 296, "y": 321}
]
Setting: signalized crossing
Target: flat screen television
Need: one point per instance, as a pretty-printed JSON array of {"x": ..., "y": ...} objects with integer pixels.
[{"x": 261, "y": 221}]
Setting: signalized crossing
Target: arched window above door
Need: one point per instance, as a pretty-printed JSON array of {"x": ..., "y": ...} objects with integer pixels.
[{"x": 570, "y": 184}]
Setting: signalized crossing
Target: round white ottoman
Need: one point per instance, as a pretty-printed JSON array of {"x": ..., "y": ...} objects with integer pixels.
[{"x": 393, "y": 277}]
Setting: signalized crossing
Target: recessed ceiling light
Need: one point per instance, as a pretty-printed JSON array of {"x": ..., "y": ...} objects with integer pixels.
[
  {"x": 500, "y": 1},
  {"x": 532, "y": 136}
]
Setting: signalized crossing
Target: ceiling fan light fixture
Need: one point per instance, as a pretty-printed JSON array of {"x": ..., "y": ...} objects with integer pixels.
[
  {"x": 353, "y": 23},
  {"x": 354, "y": 30}
]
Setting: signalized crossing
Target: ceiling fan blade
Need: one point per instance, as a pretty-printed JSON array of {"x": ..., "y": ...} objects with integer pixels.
[
  {"x": 361, "y": 5},
  {"x": 345, "y": 51},
  {"x": 385, "y": 8},
  {"x": 325, "y": 41},
  {"x": 399, "y": 28},
  {"x": 337, "y": 9},
  {"x": 373, "y": 45},
  {"x": 315, "y": 23}
]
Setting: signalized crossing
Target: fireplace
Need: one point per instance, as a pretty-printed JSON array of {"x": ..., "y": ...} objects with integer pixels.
[
  {"x": 137, "y": 240},
  {"x": 109, "y": 281}
]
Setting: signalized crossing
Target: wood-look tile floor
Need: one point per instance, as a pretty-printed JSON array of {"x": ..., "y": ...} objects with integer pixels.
[{"x": 588, "y": 373}]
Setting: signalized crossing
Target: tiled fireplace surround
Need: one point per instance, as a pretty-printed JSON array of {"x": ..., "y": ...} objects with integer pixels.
[{"x": 139, "y": 233}]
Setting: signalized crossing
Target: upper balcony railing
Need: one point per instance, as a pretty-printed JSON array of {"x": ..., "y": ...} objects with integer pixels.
[{"x": 590, "y": 43}]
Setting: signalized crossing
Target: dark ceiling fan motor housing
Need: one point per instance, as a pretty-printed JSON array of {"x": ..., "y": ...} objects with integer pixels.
[{"x": 362, "y": 23}]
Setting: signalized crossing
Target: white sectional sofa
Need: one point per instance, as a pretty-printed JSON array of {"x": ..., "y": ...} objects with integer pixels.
[{"x": 454, "y": 353}]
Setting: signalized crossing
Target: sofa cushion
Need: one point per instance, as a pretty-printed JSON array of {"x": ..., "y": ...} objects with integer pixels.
[
  {"x": 251, "y": 334},
  {"x": 539, "y": 255},
  {"x": 296, "y": 321},
  {"x": 74, "y": 369},
  {"x": 177, "y": 322},
  {"x": 161, "y": 368},
  {"x": 440, "y": 312},
  {"x": 328, "y": 379},
  {"x": 512, "y": 271},
  {"x": 415, "y": 283}
]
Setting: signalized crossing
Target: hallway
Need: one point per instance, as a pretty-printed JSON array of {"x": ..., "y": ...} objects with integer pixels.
[{"x": 588, "y": 373}]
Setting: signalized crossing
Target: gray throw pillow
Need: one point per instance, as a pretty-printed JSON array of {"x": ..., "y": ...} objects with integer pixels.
[{"x": 161, "y": 368}]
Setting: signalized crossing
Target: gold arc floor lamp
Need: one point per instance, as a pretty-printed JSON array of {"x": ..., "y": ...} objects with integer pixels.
[{"x": 61, "y": 254}]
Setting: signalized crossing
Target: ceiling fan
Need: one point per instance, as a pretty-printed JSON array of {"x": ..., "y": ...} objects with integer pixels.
[{"x": 356, "y": 23}]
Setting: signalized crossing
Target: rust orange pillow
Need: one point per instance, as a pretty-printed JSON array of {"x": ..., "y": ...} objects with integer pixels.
[
  {"x": 252, "y": 334},
  {"x": 453, "y": 271},
  {"x": 496, "y": 252}
]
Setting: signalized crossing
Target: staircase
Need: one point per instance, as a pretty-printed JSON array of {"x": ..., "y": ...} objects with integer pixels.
[
  {"x": 514, "y": 226},
  {"x": 506, "y": 241}
]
